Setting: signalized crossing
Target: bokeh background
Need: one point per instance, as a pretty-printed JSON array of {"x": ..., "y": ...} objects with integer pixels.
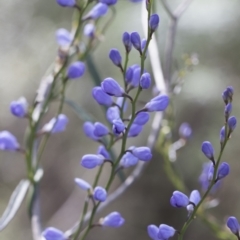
[{"x": 28, "y": 47}]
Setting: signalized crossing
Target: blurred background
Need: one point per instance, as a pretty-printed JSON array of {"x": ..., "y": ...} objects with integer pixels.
[{"x": 28, "y": 47}]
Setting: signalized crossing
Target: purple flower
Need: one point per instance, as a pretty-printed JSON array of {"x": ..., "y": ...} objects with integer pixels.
[
  {"x": 8, "y": 142},
  {"x": 159, "y": 103},
  {"x": 126, "y": 38},
  {"x": 76, "y": 70},
  {"x": 145, "y": 81},
  {"x": 232, "y": 123},
  {"x": 115, "y": 57},
  {"x": 136, "y": 40},
  {"x": 97, "y": 11},
  {"x": 165, "y": 232},
  {"x": 108, "y": 2},
  {"x": 82, "y": 184},
  {"x": 141, "y": 118},
  {"x": 64, "y": 37},
  {"x": 91, "y": 161},
  {"x": 179, "y": 199},
  {"x": 185, "y": 130},
  {"x": 154, "y": 22},
  {"x": 112, "y": 113},
  {"x": 210, "y": 172},
  {"x": 135, "y": 130},
  {"x": 53, "y": 234},
  {"x": 111, "y": 87},
  {"x": 100, "y": 129},
  {"x": 128, "y": 160},
  {"x": 222, "y": 135},
  {"x": 233, "y": 225},
  {"x": 142, "y": 153},
  {"x": 101, "y": 97},
  {"x": 228, "y": 109},
  {"x": 227, "y": 94},
  {"x": 136, "y": 76},
  {"x": 103, "y": 151},
  {"x": 153, "y": 232},
  {"x": 208, "y": 150},
  {"x": 118, "y": 126},
  {"x": 89, "y": 30},
  {"x": 114, "y": 220},
  {"x": 66, "y": 3},
  {"x": 100, "y": 194},
  {"x": 129, "y": 75},
  {"x": 19, "y": 108},
  {"x": 223, "y": 170},
  {"x": 56, "y": 125},
  {"x": 195, "y": 197},
  {"x": 88, "y": 129}
]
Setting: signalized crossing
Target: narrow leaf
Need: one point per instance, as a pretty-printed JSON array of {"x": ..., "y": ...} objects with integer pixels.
[{"x": 14, "y": 203}]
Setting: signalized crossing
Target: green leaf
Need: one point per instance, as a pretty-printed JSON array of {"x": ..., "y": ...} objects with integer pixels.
[{"x": 14, "y": 203}]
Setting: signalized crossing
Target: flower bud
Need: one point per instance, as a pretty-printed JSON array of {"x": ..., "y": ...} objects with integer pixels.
[
  {"x": 165, "y": 231},
  {"x": 89, "y": 30},
  {"x": 108, "y": 2},
  {"x": 222, "y": 135},
  {"x": 208, "y": 150},
  {"x": 114, "y": 220},
  {"x": 223, "y": 170},
  {"x": 112, "y": 113},
  {"x": 185, "y": 131},
  {"x": 145, "y": 81},
  {"x": 142, "y": 153},
  {"x": 141, "y": 118},
  {"x": 232, "y": 123},
  {"x": 159, "y": 103},
  {"x": 91, "y": 161},
  {"x": 53, "y": 234},
  {"x": 210, "y": 172},
  {"x": 179, "y": 199},
  {"x": 66, "y": 3},
  {"x": 76, "y": 70},
  {"x": 64, "y": 37},
  {"x": 118, "y": 126},
  {"x": 136, "y": 40},
  {"x": 136, "y": 76},
  {"x": 111, "y": 87},
  {"x": 233, "y": 225},
  {"x": 97, "y": 11},
  {"x": 19, "y": 108},
  {"x": 88, "y": 129},
  {"x": 128, "y": 160},
  {"x": 101, "y": 97},
  {"x": 135, "y": 130},
  {"x": 100, "y": 194},
  {"x": 115, "y": 57},
  {"x": 103, "y": 151},
  {"x": 228, "y": 109},
  {"x": 153, "y": 232},
  {"x": 126, "y": 38},
  {"x": 8, "y": 142},
  {"x": 228, "y": 94},
  {"x": 129, "y": 75},
  {"x": 153, "y": 22},
  {"x": 195, "y": 197},
  {"x": 82, "y": 184},
  {"x": 143, "y": 45},
  {"x": 100, "y": 129},
  {"x": 56, "y": 125}
]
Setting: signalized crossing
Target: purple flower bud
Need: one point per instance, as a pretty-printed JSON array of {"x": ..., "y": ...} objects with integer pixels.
[
  {"x": 64, "y": 37},
  {"x": 101, "y": 97},
  {"x": 103, "y": 151},
  {"x": 136, "y": 40},
  {"x": 223, "y": 170},
  {"x": 208, "y": 150},
  {"x": 154, "y": 22},
  {"x": 66, "y": 3},
  {"x": 53, "y": 234},
  {"x": 112, "y": 114},
  {"x": 97, "y": 11},
  {"x": 126, "y": 38},
  {"x": 91, "y": 161},
  {"x": 89, "y": 30},
  {"x": 195, "y": 197},
  {"x": 203, "y": 178},
  {"x": 222, "y": 135},
  {"x": 128, "y": 160},
  {"x": 136, "y": 76},
  {"x": 141, "y": 118},
  {"x": 165, "y": 232},
  {"x": 115, "y": 57},
  {"x": 76, "y": 70},
  {"x": 19, "y": 108},
  {"x": 8, "y": 142},
  {"x": 210, "y": 172},
  {"x": 100, "y": 194},
  {"x": 129, "y": 75},
  {"x": 143, "y": 44},
  {"x": 135, "y": 130},
  {"x": 159, "y": 103},
  {"x": 118, "y": 126},
  {"x": 56, "y": 125},
  {"x": 185, "y": 131},
  {"x": 114, "y": 220},
  {"x": 82, "y": 184},
  {"x": 108, "y": 2},
  {"x": 233, "y": 225},
  {"x": 228, "y": 109},
  {"x": 232, "y": 123},
  {"x": 111, "y": 87},
  {"x": 120, "y": 103},
  {"x": 179, "y": 199},
  {"x": 100, "y": 129},
  {"x": 88, "y": 129},
  {"x": 145, "y": 81},
  {"x": 142, "y": 153},
  {"x": 227, "y": 94},
  {"x": 153, "y": 232}
]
